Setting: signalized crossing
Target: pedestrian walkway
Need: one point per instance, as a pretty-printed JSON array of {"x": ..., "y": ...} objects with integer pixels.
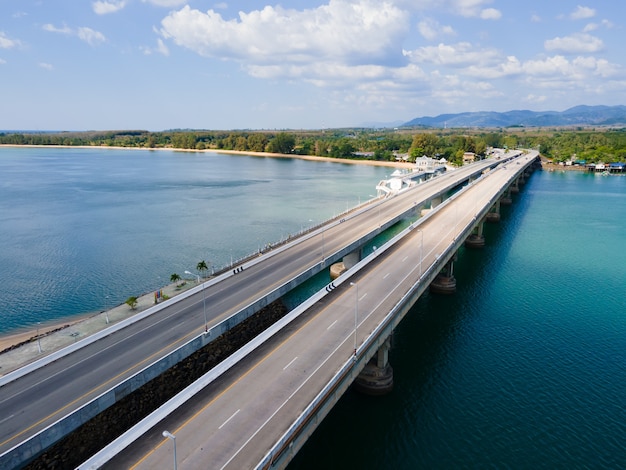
[{"x": 53, "y": 338}]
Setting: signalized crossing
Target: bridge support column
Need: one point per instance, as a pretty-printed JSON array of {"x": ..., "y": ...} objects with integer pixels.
[
  {"x": 341, "y": 267},
  {"x": 494, "y": 213},
  {"x": 506, "y": 199},
  {"x": 376, "y": 378},
  {"x": 445, "y": 282},
  {"x": 435, "y": 202},
  {"x": 476, "y": 238},
  {"x": 514, "y": 188}
]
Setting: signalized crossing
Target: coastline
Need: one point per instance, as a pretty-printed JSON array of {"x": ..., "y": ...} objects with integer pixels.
[{"x": 313, "y": 158}]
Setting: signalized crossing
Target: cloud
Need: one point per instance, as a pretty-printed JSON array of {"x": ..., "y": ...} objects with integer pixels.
[
  {"x": 165, "y": 3},
  {"x": 474, "y": 9},
  {"x": 490, "y": 14},
  {"x": 357, "y": 33},
  {"x": 535, "y": 99},
  {"x": 431, "y": 29},
  {"x": 582, "y": 13},
  {"x": 45, "y": 65},
  {"x": 7, "y": 43},
  {"x": 575, "y": 44},
  {"x": 460, "y": 54},
  {"x": 104, "y": 7},
  {"x": 53, "y": 29},
  {"x": 535, "y": 18},
  {"x": 88, "y": 35},
  {"x": 2, "y": 61}
]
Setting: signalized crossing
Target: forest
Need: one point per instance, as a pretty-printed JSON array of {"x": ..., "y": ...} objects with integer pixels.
[{"x": 579, "y": 144}]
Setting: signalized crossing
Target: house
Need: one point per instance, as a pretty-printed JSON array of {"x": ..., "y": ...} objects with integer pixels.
[{"x": 468, "y": 157}]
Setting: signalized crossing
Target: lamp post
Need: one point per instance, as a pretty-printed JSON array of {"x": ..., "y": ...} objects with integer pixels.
[
  {"x": 38, "y": 338},
  {"x": 171, "y": 437},
  {"x": 203, "y": 300},
  {"x": 356, "y": 313}
]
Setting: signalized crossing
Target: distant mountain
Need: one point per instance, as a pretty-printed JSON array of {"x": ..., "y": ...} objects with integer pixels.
[{"x": 576, "y": 116}]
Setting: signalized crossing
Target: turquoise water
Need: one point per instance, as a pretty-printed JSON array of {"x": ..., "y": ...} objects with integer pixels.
[
  {"x": 525, "y": 366},
  {"x": 84, "y": 229}
]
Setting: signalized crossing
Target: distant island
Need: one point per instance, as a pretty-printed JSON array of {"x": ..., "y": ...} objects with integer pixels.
[{"x": 601, "y": 116}]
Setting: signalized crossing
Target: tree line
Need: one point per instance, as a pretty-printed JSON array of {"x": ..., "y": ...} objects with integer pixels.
[{"x": 575, "y": 144}]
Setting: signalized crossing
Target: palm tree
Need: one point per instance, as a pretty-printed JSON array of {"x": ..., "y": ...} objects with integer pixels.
[
  {"x": 174, "y": 277},
  {"x": 202, "y": 267}
]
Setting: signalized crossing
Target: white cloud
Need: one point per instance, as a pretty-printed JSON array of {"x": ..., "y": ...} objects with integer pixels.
[
  {"x": 2, "y": 61},
  {"x": 53, "y": 29},
  {"x": 535, "y": 18},
  {"x": 460, "y": 54},
  {"x": 582, "y": 13},
  {"x": 90, "y": 36},
  {"x": 575, "y": 44},
  {"x": 490, "y": 14},
  {"x": 510, "y": 67},
  {"x": 162, "y": 48},
  {"x": 431, "y": 29},
  {"x": 535, "y": 99},
  {"x": 104, "y": 7},
  {"x": 165, "y": 3},
  {"x": 7, "y": 43},
  {"x": 45, "y": 65},
  {"x": 362, "y": 32},
  {"x": 590, "y": 27}
]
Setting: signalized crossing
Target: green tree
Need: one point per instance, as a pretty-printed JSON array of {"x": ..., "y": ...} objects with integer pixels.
[
  {"x": 131, "y": 302},
  {"x": 202, "y": 267},
  {"x": 174, "y": 278},
  {"x": 282, "y": 143}
]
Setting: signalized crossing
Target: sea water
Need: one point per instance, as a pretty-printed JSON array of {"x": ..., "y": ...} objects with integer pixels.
[
  {"x": 81, "y": 230},
  {"x": 525, "y": 366}
]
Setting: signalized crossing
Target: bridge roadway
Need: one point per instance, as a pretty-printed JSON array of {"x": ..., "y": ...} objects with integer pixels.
[
  {"x": 234, "y": 422},
  {"x": 34, "y": 401}
]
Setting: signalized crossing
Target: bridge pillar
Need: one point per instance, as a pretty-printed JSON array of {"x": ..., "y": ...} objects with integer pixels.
[
  {"x": 476, "y": 239},
  {"x": 436, "y": 201},
  {"x": 506, "y": 199},
  {"x": 341, "y": 267},
  {"x": 494, "y": 213},
  {"x": 514, "y": 188},
  {"x": 376, "y": 378},
  {"x": 445, "y": 282}
]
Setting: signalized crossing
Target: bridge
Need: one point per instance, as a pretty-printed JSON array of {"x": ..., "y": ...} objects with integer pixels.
[{"x": 85, "y": 380}]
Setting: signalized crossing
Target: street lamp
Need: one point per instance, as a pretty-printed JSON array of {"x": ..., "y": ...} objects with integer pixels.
[
  {"x": 356, "y": 313},
  {"x": 38, "y": 338},
  {"x": 203, "y": 300},
  {"x": 171, "y": 436}
]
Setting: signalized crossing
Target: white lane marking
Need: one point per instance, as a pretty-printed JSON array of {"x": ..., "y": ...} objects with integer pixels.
[
  {"x": 7, "y": 418},
  {"x": 386, "y": 276},
  {"x": 292, "y": 361},
  {"x": 404, "y": 259},
  {"x": 231, "y": 417},
  {"x": 332, "y": 324},
  {"x": 363, "y": 296}
]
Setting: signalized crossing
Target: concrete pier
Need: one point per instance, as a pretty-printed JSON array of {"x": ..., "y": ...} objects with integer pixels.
[
  {"x": 376, "y": 378},
  {"x": 445, "y": 282},
  {"x": 494, "y": 213},
  {"x": 476, "y": 238}
]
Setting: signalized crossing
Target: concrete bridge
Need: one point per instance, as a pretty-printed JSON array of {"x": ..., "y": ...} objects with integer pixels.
[{"x": 219, "y": 304}]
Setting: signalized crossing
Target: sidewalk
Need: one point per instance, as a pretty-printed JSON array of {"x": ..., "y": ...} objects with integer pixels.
[{"x": 55, "y": 337}]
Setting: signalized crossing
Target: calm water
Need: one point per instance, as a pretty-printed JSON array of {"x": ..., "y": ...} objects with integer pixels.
[
  {"x": 84, "y": 229},
  {"x": 525, "y": 367}
]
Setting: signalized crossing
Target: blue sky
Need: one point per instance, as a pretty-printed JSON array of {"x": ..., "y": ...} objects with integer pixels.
[{"x": 163, "y": 64}]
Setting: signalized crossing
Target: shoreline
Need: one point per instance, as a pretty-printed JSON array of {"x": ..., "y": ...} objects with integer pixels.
[{"x": 313, "y": 158}]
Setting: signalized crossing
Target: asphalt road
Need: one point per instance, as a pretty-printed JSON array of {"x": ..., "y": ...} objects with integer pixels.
[
  {"x": 235, "y": 422},
  {"x": 36, "y": 400}
]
